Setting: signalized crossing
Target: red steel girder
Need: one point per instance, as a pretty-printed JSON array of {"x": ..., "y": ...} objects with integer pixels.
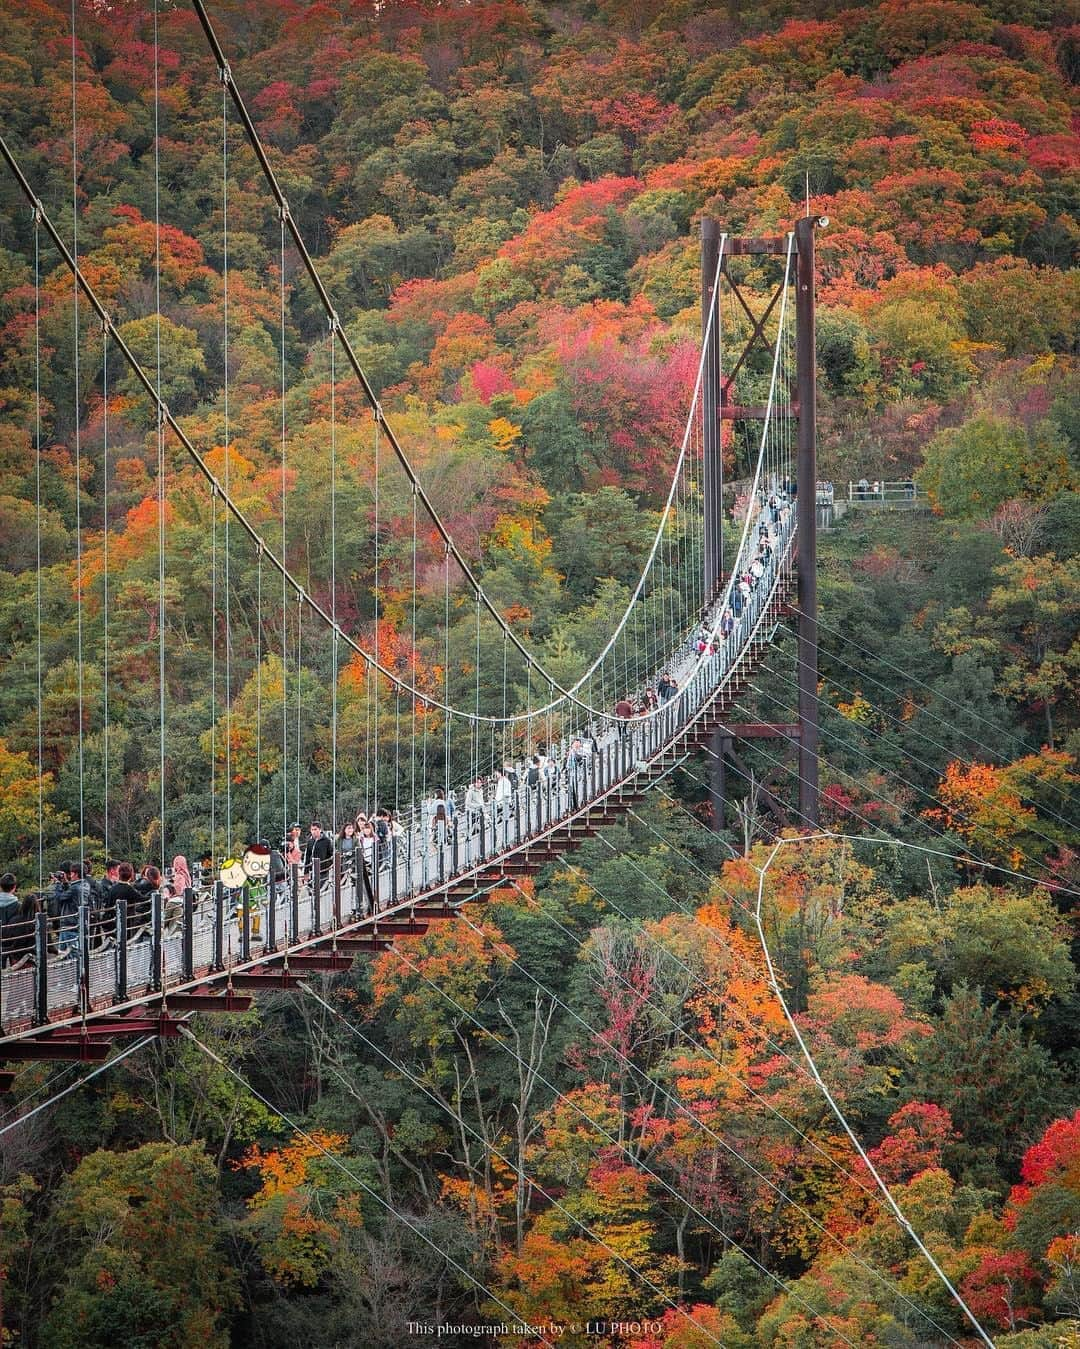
[
  {"x": 279, "y": 979},
  {"x": 397, "y": 927},
  {"x": 210, "y": 1002},
  {"x": 319, "y": 962},
  {"x": 81, "y": 1050},
  {"x": 108, "y": 1028}
]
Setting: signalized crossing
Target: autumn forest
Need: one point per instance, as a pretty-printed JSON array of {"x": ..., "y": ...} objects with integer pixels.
[{"x": 581, "y": 1104}]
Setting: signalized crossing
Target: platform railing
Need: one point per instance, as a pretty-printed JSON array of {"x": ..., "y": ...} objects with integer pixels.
[{"x": 893, "y": 495}]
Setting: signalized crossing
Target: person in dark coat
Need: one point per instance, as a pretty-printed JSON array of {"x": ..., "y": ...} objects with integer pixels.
[{"x": 320, "y": 848}]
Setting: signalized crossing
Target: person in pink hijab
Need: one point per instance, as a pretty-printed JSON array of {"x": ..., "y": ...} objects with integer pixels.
[{"x": 181, "y": 875}]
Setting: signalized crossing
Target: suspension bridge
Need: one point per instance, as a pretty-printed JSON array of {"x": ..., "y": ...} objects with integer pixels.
[
  {"x": 469, "y": 815},
  {"x": 486, "y": 763}
]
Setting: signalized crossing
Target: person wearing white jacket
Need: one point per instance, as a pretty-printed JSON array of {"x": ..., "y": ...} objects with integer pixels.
[
  {"x": 474, "y": 805},
  {"x": 503, "y": 797}
]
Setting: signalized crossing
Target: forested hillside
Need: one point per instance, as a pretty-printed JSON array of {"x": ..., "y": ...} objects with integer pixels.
[{"x": 584, "y": 1095}]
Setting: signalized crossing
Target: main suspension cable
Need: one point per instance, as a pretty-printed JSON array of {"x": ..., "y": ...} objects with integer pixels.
[
  {"x": 898, "y": 1212},
  {"x": 697, "y": 1043}
]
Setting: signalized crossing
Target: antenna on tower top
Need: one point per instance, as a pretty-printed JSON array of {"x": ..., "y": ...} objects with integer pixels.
[{"x": 807, "y": 191}]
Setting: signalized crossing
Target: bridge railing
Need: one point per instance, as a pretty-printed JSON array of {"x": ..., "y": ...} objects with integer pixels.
[
  {"x": 899, "y": 494},
  {"x": 54, "y": 966}
]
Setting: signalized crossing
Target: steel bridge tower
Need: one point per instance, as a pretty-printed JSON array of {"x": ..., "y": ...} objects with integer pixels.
[{"x": 719, "y": 406}]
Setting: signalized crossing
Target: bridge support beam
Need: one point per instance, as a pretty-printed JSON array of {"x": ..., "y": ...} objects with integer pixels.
[
  {"x": 713, "y": 484},
  {"x": 718, "y": 401},
  {"x": 806, "y": 515}
]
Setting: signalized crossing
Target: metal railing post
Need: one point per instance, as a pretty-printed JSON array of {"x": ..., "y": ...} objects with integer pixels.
[
  {"x": 155, "y": 941},
  {"x": 84, "y": 957},
  {"x": 245, "y": 922},
  {"x": 121, "y": 983},
  {"x": 316, "y": 896},
  {"x": 271, "y": 914},
  {"x": 41, "y": 969},
  {"x": 294, "y": 905},
  {"x": 359, "y": 876},
  {"x": 189, "y": 933},
  {"x": 218, "y": 962}
]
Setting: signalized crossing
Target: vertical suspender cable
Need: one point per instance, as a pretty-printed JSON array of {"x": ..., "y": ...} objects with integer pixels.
[
  {"x": 258, "y": 692},
  {"x": 719, "y": 319},
  {"x": 378, "y": 611},
  {"x": 446, "y": 671},
  {"x": 284, "y": 575},
  {"x": 160, "y": 436},
  {"x": 227, "y": 578},
  {"x": 333, "y": 584},
  {"x": 105, "y": 581},
  {"x": 78, "y": 442},
  {"x": 507, "y": 749},
  {"x": 369, "y": 698},
  {"x": 476, "y": 723},
  {"x": 397, "y": 748},
  {"x": 299, "y": 672},
  {"x": 412, "y": 659},
  {"x": 213, "y": 669},
  {"x": 529, "y": 737},
  {"x": 37, "y": 518}
]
